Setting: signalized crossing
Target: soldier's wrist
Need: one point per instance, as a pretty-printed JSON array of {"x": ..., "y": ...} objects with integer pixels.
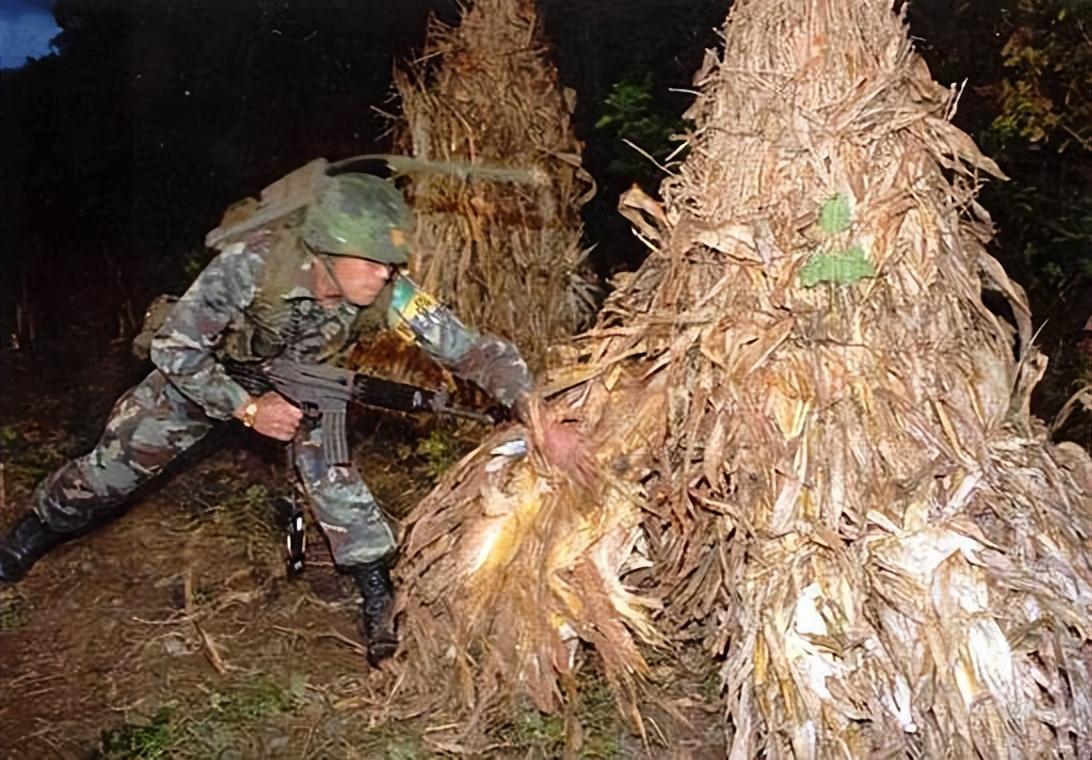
[{"x": 247, "y": 412}]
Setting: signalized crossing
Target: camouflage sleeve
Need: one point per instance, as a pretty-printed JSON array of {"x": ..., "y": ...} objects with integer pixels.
[
  {"x": 488, "y": 361},
  {"x": 183, "y": 348}
]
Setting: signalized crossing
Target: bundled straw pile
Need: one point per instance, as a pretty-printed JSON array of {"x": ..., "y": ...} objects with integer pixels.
[
  {"x": 817, "y": 460},
  {"x": 506, "y": 254}
]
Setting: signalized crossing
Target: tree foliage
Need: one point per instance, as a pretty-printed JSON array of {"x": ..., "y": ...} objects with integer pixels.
[
  {"x": 630, "y": 115},
  {"x": 631, "y": 66},
  {"x": 1046, "y": 92},
  {"x": 1028, "y": 69}
]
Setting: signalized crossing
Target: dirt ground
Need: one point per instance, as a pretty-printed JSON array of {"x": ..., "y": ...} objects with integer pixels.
[{"x": 173, "y": 631}]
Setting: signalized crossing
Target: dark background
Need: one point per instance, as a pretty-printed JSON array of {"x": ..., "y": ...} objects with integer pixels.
[{"x": 121, "y": 149}]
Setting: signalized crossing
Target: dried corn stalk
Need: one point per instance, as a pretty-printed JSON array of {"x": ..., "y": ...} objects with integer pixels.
[
  {"x": 507, "y": 255},
  {"x": 483, "y": 612},
  {"x": 819, "y": 431}
]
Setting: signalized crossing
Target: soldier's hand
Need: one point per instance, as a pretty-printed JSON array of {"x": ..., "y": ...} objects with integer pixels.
[
  {"x": 272, "y": 416},
  {"x": 562, "y": 444}
]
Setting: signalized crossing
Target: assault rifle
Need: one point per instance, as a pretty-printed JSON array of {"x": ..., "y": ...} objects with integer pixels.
[{"x": 323, "y": 391}]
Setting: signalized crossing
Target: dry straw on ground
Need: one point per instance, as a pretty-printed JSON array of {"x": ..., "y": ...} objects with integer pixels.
[
  {"x": 506, "y": 254},
  {"x": 818, "y": 462}
]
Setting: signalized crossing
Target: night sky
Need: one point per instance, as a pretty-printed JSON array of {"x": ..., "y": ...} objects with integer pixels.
[{"x": 26, "y": 27}]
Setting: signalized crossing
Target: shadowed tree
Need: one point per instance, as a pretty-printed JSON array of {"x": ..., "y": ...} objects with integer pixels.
[{"x": 815, "y": 453}]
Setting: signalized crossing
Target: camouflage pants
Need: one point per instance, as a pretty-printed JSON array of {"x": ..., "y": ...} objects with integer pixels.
[{"x": 151, "y": 424}]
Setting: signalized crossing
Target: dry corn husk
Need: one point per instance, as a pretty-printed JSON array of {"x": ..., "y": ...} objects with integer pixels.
[
  {"x": 511, "y": 566},
  {"x": 821, "y": 434},
  {"x": 506, "y": 255}
]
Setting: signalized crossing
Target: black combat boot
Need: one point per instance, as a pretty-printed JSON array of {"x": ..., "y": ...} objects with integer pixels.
[
  {"x": 374, "y": 581},
  {"x": 27, "y": 542}
]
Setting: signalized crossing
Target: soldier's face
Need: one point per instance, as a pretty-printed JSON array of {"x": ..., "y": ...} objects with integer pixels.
[{"x": 357, "y": 280}]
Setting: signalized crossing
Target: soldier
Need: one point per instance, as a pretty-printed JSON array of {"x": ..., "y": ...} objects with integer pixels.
[{"x": 305, "y": 285}]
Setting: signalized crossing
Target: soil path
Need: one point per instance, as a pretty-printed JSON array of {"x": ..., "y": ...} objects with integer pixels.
[
  {"x": 173, "y": 632},
  {"x": 179, "y": 608}
]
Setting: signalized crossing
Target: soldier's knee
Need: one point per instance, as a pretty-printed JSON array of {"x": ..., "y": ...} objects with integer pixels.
[
  {"x": 84, "y": 489},
  {"x": 90, "y": 478}
]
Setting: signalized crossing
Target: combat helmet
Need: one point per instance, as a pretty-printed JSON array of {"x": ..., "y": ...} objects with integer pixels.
[
  {"x": 358, "y": 215},
  {"x": 346, "y": 212},
  {"x": 343, "y": 212}
]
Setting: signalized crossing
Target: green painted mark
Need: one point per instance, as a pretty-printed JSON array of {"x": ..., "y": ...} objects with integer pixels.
[
  {"x": 840, "y": 267},
  {"x": 834, "y": 216}
]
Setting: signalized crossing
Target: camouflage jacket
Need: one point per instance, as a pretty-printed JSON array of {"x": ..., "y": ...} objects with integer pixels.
[{"x": 217, "y": 305}]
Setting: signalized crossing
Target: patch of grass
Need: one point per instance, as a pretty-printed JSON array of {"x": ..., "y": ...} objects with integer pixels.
[
  {"x": 534, "y": 734},
  {"x": 252, "y": 701},
  {"x": 231, "y": 718},
  {"x": 711, "y": 685},
  {"x": 434, "y": 453},
  {"x": 27, "y": 455},
  {"x": 9, "y": 437},
  {"x": 603, "y": 727},
  {"x": 253, "y": 502},
  {"x": 439, "y": 450},
  {"x": 139, "y": 741},
  {"x": 218, "y": 494},
  {"x": 14, "y": 611},
  {"x": 220, "y": 727},
  {"x": 535, "y": 729},
  {"x": 392, "y": 743}
]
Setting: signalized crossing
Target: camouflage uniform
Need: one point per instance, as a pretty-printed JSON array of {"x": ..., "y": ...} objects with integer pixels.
[{"x": 189, "y": 391}]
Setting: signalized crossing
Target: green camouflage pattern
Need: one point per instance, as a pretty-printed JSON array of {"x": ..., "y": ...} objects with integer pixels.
[
  {"x": 189, "y": 392},
  {"x": 359, "y": 215},
  {"x": 150, "y": 425},
  {"x": 493, "y": 364},
  {"x": 281, "y": 317},
  {"x": 350, "y": 518},
  {"x": 185, "y": 347}
]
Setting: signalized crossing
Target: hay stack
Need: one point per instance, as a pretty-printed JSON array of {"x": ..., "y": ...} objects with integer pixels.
[
  {"x": 506, "y": 255},
  {"x": 811, "y": 428}
]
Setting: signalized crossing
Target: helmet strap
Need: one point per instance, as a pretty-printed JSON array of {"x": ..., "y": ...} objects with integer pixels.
[{"x": 325, "y": 260}]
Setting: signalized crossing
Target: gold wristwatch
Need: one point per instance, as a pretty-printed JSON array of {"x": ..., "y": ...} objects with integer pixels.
[{"x": 250, "y": 411}]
